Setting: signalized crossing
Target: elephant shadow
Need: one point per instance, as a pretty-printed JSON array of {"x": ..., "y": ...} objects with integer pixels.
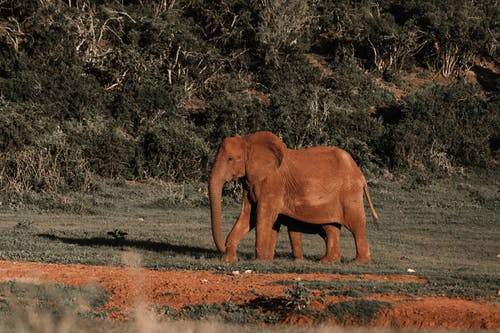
[{"x": 149, "y": 245}]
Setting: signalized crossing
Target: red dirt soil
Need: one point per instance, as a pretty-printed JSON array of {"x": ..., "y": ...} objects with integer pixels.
[{"x": 129, "y": 287}]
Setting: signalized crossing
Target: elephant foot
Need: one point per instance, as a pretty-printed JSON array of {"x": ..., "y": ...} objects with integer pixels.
[
  {"x": 362, "y": 260},
  {"x": 264, "y": 255},
  {"x": 327, "y": 260},
  {"x": 298, "y": 257},
  {"x": 229, "y": 258}
]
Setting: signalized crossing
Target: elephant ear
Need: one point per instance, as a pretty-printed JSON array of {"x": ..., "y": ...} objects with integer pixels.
[{"x": 265, "y": 154}]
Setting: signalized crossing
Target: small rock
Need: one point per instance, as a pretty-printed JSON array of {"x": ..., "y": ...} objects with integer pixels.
[
  {"x": 409, "y": 270},
  {"x": 248, "y": 271},
  {"x": 235, "y": 272},
  {"x": 140, "y": 219},
  {"x": 204, "y": 281}
]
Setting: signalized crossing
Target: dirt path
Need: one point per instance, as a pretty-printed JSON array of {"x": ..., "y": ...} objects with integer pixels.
[{"x": 128, "y": 287}]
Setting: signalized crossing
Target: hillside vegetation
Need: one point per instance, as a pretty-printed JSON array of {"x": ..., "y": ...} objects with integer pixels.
[{"x": 141, "y": 89}]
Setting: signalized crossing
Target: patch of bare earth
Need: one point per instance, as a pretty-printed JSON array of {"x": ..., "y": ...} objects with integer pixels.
[{"x": 129, "y": 287}]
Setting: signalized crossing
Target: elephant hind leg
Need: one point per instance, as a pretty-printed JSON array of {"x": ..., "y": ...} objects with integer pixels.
[
  {"x": 363, "y": 255},
  {"x": 355, "y": 221},
  {"x": 332, "y": 241}
]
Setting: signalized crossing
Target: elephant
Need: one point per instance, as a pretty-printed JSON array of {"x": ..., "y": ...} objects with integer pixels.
[{"x": 318, "y": 185}]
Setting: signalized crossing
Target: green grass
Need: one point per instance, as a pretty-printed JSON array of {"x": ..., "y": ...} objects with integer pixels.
[
  {"x": 362, "y": 310},
  {"x": 448, "y": 232},
  {"x": 441, "y": 230}
]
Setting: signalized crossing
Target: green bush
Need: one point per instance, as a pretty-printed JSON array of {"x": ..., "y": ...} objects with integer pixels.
[
  {"x": 444, "y": 126},
  {"x": 15, "y": 130},
  {"x": 175, "y": 152},
  {"x": 139, "y": 89}
]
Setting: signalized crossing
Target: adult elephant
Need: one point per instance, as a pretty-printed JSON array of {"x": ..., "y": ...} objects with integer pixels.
[{"x": 318, "y": 185}]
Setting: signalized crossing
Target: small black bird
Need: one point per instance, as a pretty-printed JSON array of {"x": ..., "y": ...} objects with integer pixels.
[{"x": 118, "y": 234}]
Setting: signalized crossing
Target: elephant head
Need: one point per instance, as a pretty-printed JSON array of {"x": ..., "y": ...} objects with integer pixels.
[{"x": 254, "y": 157}]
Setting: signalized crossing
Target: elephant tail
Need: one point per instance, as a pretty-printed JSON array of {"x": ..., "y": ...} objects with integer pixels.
[{"x": 369, "y": 199}]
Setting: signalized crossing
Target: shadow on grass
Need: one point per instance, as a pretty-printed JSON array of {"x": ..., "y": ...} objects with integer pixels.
[
  {"x": 149, "y": 245},
  {"x": 276, "y": 304},
  {"x": 139, "y": 244}
]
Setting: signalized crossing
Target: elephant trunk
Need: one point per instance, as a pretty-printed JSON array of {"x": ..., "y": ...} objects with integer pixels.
[{"x": 215, "y": 195}]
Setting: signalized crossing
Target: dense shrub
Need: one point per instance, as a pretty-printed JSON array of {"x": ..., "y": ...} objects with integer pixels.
[
  {"x": 232, "y": 111},
  {"x": 174, "y": 151},
  {"x": 111, "y": 152},
  {"x": 49, "y": 169},
  {"x": 15, "y": 129},
  {"x": 442, "y": 126},
  {"x": 139, "y": 89}
]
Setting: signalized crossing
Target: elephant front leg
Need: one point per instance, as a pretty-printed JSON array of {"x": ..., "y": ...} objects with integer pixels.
[
  {"x": 296, "y": 242},
  {"x": 242, "y": 226},
  {"x": 266, "y": 236}
]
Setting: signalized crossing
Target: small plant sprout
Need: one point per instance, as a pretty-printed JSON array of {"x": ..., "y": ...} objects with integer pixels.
[{"x": 299, "y": 296}]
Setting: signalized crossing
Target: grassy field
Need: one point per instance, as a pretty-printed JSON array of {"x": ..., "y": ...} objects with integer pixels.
[{"x": 447, "y": 232}]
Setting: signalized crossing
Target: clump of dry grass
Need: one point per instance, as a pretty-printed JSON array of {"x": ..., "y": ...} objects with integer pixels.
[{"x": 44, "y": 170}]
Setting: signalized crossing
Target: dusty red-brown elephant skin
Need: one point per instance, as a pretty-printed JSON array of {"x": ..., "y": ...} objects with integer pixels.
[{"x": 318, "y": 185}]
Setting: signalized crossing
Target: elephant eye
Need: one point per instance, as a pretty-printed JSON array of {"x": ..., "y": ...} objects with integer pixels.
[{"x": 230, "y": 159}]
